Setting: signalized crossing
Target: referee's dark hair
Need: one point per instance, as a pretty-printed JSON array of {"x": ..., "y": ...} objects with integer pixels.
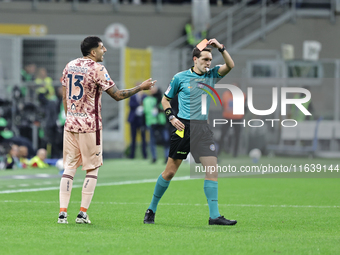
[
  {"x": 197, "y": 53},
  {"x": 88, "y": 44}
]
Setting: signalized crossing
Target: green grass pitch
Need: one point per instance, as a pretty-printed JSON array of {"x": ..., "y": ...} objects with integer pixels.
[{"x": 275, "y": 215}]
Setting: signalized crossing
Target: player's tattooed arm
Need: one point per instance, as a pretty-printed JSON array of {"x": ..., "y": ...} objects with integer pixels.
[{"x": 118, "y": 95}]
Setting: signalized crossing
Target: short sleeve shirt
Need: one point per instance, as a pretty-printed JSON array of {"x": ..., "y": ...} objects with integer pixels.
[
  {"x": 85, "y": 80},
  {"x": 190, "y": 87}
]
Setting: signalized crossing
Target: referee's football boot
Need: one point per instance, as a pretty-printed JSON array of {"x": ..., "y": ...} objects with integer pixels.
[
  {"x": 221, "y": 221},
  {"x": 83, "y": 218},
  {"x": 62, "y": 219},
  {"x": 149, "y": 217}
]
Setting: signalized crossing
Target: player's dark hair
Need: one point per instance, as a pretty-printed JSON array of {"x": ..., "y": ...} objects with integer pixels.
[
  {"x": 197, "y": 53},
  {"x": 88, "y": 44}
]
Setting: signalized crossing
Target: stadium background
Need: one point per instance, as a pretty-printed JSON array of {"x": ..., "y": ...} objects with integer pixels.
[
  {"x": 276, "y": 215},
  {"x": 255, "y": 44}
]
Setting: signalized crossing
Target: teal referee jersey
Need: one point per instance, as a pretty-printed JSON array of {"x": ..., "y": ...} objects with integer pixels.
[{"x": 190, "y": 87}]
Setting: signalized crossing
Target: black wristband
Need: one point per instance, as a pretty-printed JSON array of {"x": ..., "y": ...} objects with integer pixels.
[
  {"x": 221, "y": 50},
  {"x": 169, "y": 112}
]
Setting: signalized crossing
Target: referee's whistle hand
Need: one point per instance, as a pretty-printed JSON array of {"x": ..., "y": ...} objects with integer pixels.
[{"x": 177, "y": 124}]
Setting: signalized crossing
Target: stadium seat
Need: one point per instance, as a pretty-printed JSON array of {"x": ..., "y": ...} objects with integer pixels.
[
  {"x": 325, "y": 135},
  {"x": 302, "y": 139},
  {"x": 337, "y": 135}
]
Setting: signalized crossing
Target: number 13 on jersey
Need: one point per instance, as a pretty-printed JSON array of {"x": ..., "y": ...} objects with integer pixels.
[{"x": 75, "y": 89}]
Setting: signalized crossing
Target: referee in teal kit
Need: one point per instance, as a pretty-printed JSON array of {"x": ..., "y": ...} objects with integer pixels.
[{"x": 190, "y": 85}]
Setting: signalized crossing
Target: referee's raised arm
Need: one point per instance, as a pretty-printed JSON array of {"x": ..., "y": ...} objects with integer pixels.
[{"x": 229, "y": 63}]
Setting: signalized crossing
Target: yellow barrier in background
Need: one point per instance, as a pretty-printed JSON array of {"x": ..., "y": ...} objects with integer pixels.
[
  {"x": 137, "y": 69},
  {"x": 21, "y": 29}
]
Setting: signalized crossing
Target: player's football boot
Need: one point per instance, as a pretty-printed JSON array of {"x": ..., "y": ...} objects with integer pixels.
[
  {"x": 83, "y": 218},
  {"x": 221, "y": 221},
  {"x": 62, "y": 219},
  {"x": 149, "y": 217}
]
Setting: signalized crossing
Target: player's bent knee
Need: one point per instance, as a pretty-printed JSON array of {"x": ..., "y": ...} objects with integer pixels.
[
  {"x": 168, "y": 174},
  {"x": 92, "y": 172},
  {"x": 69, "y": 172}
]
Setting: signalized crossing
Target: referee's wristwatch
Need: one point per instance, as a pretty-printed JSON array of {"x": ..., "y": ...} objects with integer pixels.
[
  {"x": 222, "y": 49},
  {"x": 171, "y": 117}
]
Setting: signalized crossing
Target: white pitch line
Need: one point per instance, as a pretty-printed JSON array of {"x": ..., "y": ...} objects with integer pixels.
[
  {"x": 43, "y": 175},
  {"x": 181, "y": 204},
  {"x": 99, "y": 184},
  {"x": 20, "y": 177}
]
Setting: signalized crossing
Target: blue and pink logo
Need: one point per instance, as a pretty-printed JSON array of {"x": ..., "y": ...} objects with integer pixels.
[{"x": 201, "y": 86}]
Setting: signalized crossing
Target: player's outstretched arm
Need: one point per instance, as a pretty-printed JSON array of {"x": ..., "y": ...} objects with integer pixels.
[
  {"x": 118, "y": 95},
  {"x": 229, "y": 63}
]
